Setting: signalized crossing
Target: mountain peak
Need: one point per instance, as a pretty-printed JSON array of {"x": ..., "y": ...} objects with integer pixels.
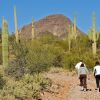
[{"x": 56, "y": 24}]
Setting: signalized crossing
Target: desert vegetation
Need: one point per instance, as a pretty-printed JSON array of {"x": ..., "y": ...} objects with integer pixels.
[
  {"x": 24, "y": 77},
  {"x": 25, "y": 61}
]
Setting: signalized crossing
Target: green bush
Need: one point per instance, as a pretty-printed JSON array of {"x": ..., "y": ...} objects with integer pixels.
[
  {"x": 15, "y": 70},
  {"x": 28, "y": 88},
  {"x": 58, "y": 53},
  {"x": 34, "y": 57},
  {"x": 16, "y": 67},
  {"x": 40, "y": 54},
  {"x": 0, "y": 54},
  {"x": 39, "y": 58},
  {"x": 71, "y": 59},
  {"x": 2, "y": 82}
]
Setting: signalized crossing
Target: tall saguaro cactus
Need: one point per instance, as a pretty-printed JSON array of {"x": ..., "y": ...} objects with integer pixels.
[
  {"x": 70, "y": 35},
  {"x": 74, "y": 28},
  {"x": 16, "y": 27},
  {"x": 93, "y": 35},
  {"x": 33, "y": 35},
  {"x": 5, "y": 43}
]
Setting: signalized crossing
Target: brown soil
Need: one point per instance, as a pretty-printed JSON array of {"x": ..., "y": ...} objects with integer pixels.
[{"x": 66, "y": 87}]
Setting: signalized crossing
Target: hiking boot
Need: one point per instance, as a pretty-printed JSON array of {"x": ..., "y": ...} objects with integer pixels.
[
  {"x": 82, "y": 89},
  {"x": 85, "y": 90},
  {"x": 97, "y": 89},
  {"x": 90, "y": 89}
]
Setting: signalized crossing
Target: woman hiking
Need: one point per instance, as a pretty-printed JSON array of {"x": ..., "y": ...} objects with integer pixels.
[{"x": 82, "y": 74}]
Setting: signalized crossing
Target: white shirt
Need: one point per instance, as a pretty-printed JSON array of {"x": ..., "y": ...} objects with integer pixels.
[
  {"x": 82, "y": 71},
  {"x": 78, "y": 65},
  {"x": 97, "y": 70}
]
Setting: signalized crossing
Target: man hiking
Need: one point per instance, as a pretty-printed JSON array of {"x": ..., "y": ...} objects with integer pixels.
[{"x": 96, "y": 72}]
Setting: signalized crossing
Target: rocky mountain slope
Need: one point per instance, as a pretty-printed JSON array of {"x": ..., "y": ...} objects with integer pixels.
[{"x": 57, "y": 25}]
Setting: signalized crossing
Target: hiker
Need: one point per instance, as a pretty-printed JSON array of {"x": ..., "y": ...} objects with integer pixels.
[
  {"x": 96, "y": 72},
  {"x": 82, "y": 74},
  {"x": 77, "y": 66}
]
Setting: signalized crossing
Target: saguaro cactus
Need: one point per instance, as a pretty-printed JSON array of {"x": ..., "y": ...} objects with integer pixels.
[
  {"x": 94, "y": 45},
  {"x": 93, "y": 36},
  {"x": 74, "y": 28},
  {"x": 16, "y": 27},
  {"x": 33, "y": 35},
  {"x": 70, "y": 35},
  {"x": 5, "y": 43}
]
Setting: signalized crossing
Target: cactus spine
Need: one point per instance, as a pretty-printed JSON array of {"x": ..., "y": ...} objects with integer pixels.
[
  {"x": 16, "y": 27},
  {"x": 5, "y": 43},
  {"x": 33, "y": 35}
]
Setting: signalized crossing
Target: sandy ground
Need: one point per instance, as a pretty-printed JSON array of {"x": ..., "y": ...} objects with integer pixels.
[{"x": 65, "y": 87}]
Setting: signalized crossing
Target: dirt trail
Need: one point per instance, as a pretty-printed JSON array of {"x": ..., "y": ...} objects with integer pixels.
[{"x": 65, "y": 87}]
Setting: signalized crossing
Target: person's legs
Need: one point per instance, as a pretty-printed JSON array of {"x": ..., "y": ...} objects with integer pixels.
[
  {"x": 97, "y": 81},
  {"x": 81, "y": 82},
  {"x": 85, "y": 82}
]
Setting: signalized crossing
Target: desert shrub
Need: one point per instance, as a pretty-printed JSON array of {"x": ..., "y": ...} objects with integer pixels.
[
  {"x": 72, "y": 58},
  {"x": 58, "y": 53},
  {"x": 2, "y": 82},
  {"x": 40, "y": 54},
  {"x": 48, "y": 38},
  {"x": 17, "y": 65},
  {"x": 56, "y": 70},
  {"x": 80, "y": 50},
  {"x": 28, "y": 88},
  {"x": 0, "y": 54},
  {"x": 63, "y": 44},
  {"x": 34, "y": 57},
  {"x": 15, "y": 70},
  {"x": 39, "y": 57}
]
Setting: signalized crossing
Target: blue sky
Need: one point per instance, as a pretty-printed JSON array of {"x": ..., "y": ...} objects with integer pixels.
[{"x": 37, "y": 9}]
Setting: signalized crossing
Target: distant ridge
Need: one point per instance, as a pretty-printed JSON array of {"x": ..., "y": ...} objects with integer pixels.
[{"x": 55, "y": 24}]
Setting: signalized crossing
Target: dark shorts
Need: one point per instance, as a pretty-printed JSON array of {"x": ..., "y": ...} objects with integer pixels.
[
  {"x": 83, "y": 81},
  {"x": 97, "y": 81}
]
